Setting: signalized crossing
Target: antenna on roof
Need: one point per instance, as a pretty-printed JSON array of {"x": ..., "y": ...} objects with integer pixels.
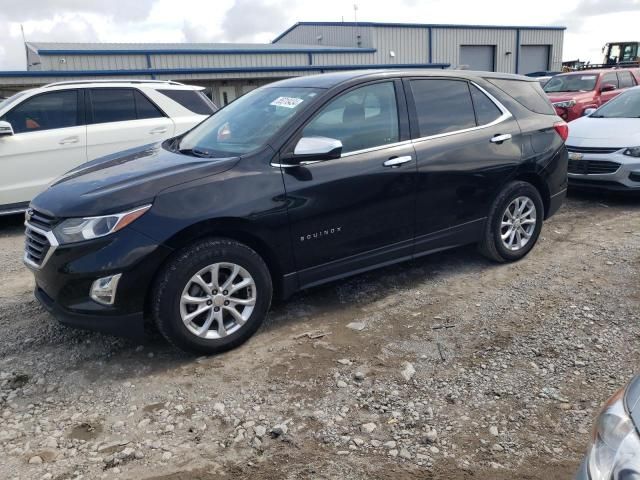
[{"x": 355, "y": 13}]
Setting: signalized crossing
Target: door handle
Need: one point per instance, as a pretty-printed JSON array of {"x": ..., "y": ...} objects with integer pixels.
[
  {"x": 68, "y": 140},
  {"x": 397, "y": 161},
  {"x": 501, "y": 138},
  {"x": 158, "y": 130}
]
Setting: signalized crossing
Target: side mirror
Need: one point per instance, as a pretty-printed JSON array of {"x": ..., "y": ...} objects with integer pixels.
[
  {"x": 5, "y": 129},
  {"x": 588, "y": 111},
  {"x": 607, "y": 87},
  {"x": 315, "y": 149}
]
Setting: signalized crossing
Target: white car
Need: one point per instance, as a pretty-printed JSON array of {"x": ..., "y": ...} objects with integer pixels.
[
  {"x": 44, "y": 132},
  {"x": 604, "y": 145}
]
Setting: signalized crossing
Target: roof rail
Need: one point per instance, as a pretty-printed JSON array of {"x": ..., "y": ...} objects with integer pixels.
[{"x": 79, "y": 82}]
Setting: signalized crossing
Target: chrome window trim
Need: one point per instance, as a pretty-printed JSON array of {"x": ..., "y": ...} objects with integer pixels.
[
  {"x": 376, "y": 148},
  {"x": 506, "y": 114},
  {"x": 53, "y": 244},
  {"x": 348, "y": 154}
]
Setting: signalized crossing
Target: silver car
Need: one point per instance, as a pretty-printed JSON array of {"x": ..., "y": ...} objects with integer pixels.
[
  {"x": 604, "y": 145},
  {"x": 614, "y": 452}
]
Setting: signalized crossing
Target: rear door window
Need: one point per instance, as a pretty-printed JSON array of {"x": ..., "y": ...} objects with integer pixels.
[
  {"x": 192, "y": 100},
  {"x": 609, "y": 79},
  {"x": 486, "y": 110},
  {"x": 362, "y": 118},
  {"x": 113, "y": 105},
  {"x": 442, "y": 106},
  {"x": 47, "y": 111},
  {"x": 625, "y": 79}
]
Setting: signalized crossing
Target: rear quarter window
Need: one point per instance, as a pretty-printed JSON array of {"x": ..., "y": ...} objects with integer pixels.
[
  {"x": 193, "y": 100},
  {"x": 528, "y": 94}
]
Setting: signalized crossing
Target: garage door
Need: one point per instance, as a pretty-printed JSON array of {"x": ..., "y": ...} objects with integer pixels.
[
  {"x": 478, "y": 57},
  {"x": 534, "y": 58}
]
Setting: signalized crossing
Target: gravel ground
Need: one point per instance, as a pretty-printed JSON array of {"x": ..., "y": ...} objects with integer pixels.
[{"x": 447, "y": 367}]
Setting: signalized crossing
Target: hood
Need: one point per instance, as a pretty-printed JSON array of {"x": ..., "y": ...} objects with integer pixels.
[
  {"x": 124, "y": 180},
  {"x": 604, "y": 132},
  {"x": 564, "y": 96}
]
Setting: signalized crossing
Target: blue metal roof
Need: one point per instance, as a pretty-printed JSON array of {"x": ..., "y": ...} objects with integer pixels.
[
  {"x": 415, "y": 25},
  {"x": 59, "y": 48}
]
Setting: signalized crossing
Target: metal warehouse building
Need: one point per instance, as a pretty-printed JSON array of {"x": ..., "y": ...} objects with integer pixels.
[{"x": 228, "y": 70}]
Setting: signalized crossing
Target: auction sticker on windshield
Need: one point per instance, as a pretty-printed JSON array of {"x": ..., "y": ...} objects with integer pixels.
[{"x": 287, "y": 102}]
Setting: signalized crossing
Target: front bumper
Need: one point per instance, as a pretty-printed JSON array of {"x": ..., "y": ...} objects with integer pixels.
[
  {"x": 124, "y": 325},
  {"x": 64, "y": 281},
  {"x": 625, "y": 178}
]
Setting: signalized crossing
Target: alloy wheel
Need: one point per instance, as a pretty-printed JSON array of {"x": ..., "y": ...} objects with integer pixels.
[
  {"x": 518, "y": 223},
  {"x": 218, "y": 300}
]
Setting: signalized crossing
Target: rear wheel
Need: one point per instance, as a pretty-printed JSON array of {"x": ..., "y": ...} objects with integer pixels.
[
  {"x": 514, "y": 224},
  {"x": 212, "y": 296}
]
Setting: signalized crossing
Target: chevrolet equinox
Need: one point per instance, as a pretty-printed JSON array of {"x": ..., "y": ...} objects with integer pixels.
[{"x": 297, "y": 183}]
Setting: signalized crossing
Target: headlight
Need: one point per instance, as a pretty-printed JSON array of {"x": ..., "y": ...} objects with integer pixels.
[
  {"x": 615, "y": 450},
  {"x": 565, "y": 104},
  {"x": 79, "y": 229},
  {"x": 632, "y": 152}
]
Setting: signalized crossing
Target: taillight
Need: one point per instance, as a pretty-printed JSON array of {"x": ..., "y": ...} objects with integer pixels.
[{"x": 562, "y": 129}]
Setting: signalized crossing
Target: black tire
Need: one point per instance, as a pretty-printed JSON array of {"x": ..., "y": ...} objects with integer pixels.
[
  {"x": 491, "y": 244},
  {"x": 176, "y": 274}
]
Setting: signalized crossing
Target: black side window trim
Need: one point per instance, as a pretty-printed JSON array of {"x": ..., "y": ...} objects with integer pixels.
[
  {"x": 402, "y": 110},
  {"x": 89, "y": 104},
  {"x": 80, "y": 113}
]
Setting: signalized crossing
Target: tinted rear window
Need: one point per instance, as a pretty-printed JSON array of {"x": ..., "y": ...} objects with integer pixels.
[
  {"x": 192, "y": 100},
  {"x": 527, "y": 94},
  {"x": 113, "y": 105},
  {"x": 442, "y": 106}
]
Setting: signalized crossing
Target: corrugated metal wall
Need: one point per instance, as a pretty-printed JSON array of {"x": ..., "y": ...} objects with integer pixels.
[
  {"x": 554, "y": 38},
  {"x": 229, "y": 60},
  {"x": 409, "y": 45},
  {"x": 93, "y": 62},
  {"x": 335, "y": 36},
  {"x": 447, "y": 42}
]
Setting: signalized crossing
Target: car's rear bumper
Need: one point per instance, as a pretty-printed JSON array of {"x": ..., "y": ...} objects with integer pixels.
[
  {"x": 129, "y": 325},
  {"x": 555, "y": 202}
]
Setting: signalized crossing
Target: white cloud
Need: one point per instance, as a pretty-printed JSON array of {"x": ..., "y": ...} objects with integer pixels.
[{"x": 592, "y": 22}]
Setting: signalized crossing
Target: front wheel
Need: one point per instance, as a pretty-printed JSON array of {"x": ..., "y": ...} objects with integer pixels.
[
  {"x": 212, "y": 296},
  {"x": 514, "y": 224}
]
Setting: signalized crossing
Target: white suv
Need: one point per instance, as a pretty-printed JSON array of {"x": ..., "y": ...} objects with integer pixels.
[{"x": 47, "y": 131}]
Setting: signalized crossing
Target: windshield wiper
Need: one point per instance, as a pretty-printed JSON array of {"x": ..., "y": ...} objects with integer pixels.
[{"x": 195, "y": 152}]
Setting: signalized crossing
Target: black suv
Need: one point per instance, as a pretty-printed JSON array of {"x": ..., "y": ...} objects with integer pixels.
[{"x": 295, "y": 184}]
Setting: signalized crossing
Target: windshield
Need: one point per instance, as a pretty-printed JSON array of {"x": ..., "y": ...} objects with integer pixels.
[
  {"x": 626, "y": 105},
  {"x": 7, "y": 101},
  {"x": 247, "y": 123},
  {"x": 576, "y": 82}
]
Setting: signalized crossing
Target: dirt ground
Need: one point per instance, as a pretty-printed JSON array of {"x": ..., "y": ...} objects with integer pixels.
[{"x": 447, "y": 367}]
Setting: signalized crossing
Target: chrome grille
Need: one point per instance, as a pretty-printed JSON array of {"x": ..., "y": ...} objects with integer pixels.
[
  {"x": 602, "y": 150},
  {"x": 40, "y": 220},
  {"x": 592, "y": 167},
  {"x": 39, "y": 239}
]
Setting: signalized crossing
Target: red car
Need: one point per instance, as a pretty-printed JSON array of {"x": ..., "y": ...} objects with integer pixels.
[{"x": 572, "y": 93}]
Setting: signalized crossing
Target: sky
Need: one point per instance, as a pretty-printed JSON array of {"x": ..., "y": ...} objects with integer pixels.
[{"x": 590, "y": 23}]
